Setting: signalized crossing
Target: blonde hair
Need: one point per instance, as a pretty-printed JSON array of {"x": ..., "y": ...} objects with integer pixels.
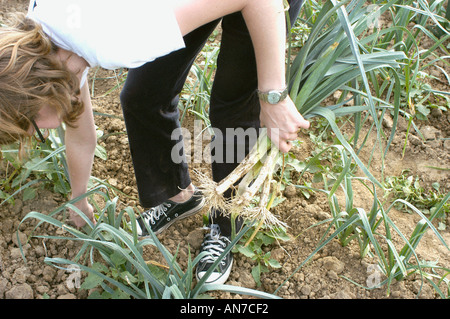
[{"x": 31, "y": 76}]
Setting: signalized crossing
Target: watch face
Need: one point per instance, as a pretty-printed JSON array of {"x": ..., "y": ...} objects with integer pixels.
[{"x": 273, "y": 97}]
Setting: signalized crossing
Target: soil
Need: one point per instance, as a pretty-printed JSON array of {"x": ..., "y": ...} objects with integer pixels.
[{"x": 329, "y": 274}]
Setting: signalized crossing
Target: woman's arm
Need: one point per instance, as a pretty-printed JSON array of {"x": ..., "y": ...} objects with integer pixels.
[
  {"x": 265, "y": 20},
  {"x": 81, "y": 141}
]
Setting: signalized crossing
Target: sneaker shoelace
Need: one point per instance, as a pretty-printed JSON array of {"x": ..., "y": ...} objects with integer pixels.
[
  {"x": 154, "y": 214},
  {"x": 214, "y": 245}
]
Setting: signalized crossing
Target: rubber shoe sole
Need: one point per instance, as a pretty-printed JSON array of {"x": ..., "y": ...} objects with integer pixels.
[{"x": 216, "y": 277}]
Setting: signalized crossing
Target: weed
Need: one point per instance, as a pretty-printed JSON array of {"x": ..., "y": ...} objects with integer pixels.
[
  {"x": 256, "y": 248},
  {"x": 407, "y": 188}
]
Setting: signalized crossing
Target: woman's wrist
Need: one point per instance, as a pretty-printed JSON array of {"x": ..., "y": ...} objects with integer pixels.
[{"x": 273, "y": 96}]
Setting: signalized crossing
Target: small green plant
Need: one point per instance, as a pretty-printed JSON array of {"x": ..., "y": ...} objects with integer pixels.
[
  {"x": 408, "y": 188},
  {"x": 253, "y": 247},
  {"x": 94, "y": 281},
  {"x": 424, "y": 98}
]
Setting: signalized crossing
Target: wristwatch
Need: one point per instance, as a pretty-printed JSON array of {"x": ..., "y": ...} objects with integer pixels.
[{"x": 273, "y": 96}]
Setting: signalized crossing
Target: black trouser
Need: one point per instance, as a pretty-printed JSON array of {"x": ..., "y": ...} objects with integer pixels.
[{"x": 150, "y": 106}]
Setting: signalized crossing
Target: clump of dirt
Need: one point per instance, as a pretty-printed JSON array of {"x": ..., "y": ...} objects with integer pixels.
[{"x": 329, "y": 273}]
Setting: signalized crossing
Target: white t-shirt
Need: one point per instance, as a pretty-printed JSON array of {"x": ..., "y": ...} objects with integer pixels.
[{"x": 110, "y": 33}]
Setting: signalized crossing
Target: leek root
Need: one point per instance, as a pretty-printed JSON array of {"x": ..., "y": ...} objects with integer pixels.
[{"x": 255, "y": 174}]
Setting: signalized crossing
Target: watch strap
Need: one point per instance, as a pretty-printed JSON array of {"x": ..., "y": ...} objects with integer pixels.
[{"x": 264, "y": 96}]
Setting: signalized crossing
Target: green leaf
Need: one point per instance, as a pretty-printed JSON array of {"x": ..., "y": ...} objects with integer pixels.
[
  {"x": 279, "y": 234},
  {"x": 266, "y": 240},
  {"x": 119, "y": 294},
  {"x": 159, "y": 273},
  {"x": 246, "y": 251},
  {"x": 118, "y": 259},
  {"x": 100, "y": 152},
  {"x": 274, "y": 263},
  {"x": 97, "y": 295},
  {"x": 29, "y": 193},
  {"x": 100, "y": 267},
  {"x": 92, "y": 281},
  {"x": 128, "y": 277},
  {"x": 256, "y": 274}
]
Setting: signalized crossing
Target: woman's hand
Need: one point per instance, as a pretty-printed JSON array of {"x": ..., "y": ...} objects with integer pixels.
[
  {"x": 81, "y": 141},
  {"x": 86, "y": 208},
  {"x": 283, "y": 122}
]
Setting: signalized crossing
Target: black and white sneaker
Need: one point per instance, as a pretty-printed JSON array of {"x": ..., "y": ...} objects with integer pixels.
[
  {"x": 162, "y": 216},
  {"x": 214, "y": 244}
]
